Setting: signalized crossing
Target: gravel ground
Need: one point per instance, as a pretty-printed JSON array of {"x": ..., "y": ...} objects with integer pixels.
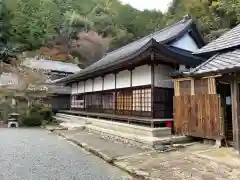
[{"x": 36, "y": 154}]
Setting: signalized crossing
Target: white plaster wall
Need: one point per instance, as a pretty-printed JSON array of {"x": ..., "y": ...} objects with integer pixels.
[
  {"x": 98, "y": 82},
  {"x": 161, "y": 78},
  {"x": 141, "y": 76},
  {"x": 89, "y": 85},
  {"x": 109, "y": 82},
  {"x": 74, "y": 88},
  {"x": 187, "y": 43},
  {"x": 81, "y": 87},
  {"x": 123, "y": 79}
]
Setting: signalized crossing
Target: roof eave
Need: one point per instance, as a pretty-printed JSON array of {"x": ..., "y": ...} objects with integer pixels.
[{"x": 151, "y": 43}]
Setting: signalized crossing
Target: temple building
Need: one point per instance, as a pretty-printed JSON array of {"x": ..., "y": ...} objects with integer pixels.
[{"x": 133, "y": 81}]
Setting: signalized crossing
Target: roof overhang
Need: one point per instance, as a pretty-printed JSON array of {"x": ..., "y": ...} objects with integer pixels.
[{"x": 169, "y": 55}]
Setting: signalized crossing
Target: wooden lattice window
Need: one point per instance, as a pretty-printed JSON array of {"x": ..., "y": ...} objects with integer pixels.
[
  {"x": 108, "y": 100},
  {"x": 120, "y": 100},
  {"x": 128, "y": 100}
]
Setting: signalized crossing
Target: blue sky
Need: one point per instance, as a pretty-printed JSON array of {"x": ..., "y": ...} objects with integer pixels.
[{"x": 149, "y": 4}]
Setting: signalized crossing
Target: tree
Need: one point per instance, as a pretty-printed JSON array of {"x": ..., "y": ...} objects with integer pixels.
[
  {"x": 19, "y": 84},
  {"x": 33, "y": 22}
]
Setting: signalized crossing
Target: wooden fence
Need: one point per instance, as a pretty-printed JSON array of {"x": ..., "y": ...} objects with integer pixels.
[{"x": 198, "y": 116}]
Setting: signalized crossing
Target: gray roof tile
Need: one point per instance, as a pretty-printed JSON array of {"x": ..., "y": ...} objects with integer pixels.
[
  {"x": 219, "y": 62},
  {"x": 162, "y": 36},
  {"x": 228, "y": 40}
]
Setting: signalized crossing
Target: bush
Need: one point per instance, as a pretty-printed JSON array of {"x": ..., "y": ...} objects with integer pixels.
[
  {"x": 32, "y": 121},
  {"x": 36, "y": 115},
  {"x": 46, "y": 113}
]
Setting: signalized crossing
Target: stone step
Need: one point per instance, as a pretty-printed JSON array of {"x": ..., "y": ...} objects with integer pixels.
[
  {"x": 136, "y": 133},
  {"x": 119, "y": 126}
]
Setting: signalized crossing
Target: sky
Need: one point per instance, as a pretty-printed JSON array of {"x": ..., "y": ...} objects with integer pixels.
[{"x": 149, "y": 4}]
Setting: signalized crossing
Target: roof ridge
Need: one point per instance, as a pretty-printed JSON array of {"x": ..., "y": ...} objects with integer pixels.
[{"x": 152, "y": 34}]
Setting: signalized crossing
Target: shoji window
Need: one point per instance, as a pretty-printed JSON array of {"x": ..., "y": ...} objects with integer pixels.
[{"x": 142, "y": 100}]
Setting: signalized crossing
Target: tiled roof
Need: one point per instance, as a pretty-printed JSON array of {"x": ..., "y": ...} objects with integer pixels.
[
  {"x": 164, "y": 36},
  {"x": 229, "y": 40},
  {"x": 51, "y": 65},
  {"x": 219, "y": 62}
]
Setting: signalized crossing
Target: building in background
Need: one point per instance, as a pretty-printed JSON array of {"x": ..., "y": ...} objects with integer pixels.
[{"x": 58, "y": 96}]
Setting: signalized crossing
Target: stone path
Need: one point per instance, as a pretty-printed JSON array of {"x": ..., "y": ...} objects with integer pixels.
[
  {"x": 104, "y": 146},
  {"x": 180, "y": 165}
]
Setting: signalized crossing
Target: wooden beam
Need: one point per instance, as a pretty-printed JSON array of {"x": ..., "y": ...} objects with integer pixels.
[
  {"x": 215, "y": 76},
  {"x": 235, "y": 113},
  {"x": 176, "y": 88},
  {"x": 184, "y": 79},
  {"x": 192, "y": 87}
]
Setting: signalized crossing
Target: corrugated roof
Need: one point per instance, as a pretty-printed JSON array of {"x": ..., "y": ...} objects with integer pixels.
[
  {"x": 219, "y": 62},
  {"x": 163, "y": 36},
  {"x": 228, "y": 40},
  {"x": 51, "y": 65}
]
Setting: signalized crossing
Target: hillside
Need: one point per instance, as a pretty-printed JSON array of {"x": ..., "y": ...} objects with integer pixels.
[{"x": 84, "y": 30}]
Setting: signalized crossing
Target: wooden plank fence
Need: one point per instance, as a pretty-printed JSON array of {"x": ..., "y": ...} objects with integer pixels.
[{"x": 198, "y": 116}]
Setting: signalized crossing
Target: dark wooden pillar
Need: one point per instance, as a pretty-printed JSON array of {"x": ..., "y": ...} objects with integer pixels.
[
  {"x": 235, "y": 114},
  {"x": 84, "y": 95},
  {"x": 115, "y": 75},
  {"x": 152, "y": 83},
  {"x": 131, "y": 85}
]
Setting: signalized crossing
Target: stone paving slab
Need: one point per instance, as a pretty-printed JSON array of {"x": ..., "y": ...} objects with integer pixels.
[
  {"x": 179, "y": 166},
  {"x": 186, "y": 164},
  {"x": 107, "y": 147}
]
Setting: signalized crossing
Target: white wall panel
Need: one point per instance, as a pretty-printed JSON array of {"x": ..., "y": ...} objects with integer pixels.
[
  {"x": 74, "y": 88},
  {"x": 123, "y": 79},
  {"x": 187, "y": 43},
  {"x": 89, "y": 85},
  {"x": 98, "y": 83},
  {"x": 109, "y": 81},
  {"x": 161, "y": 78},
  {"x": 141, "y": 76},
  {"x": 81, "y": 87}
]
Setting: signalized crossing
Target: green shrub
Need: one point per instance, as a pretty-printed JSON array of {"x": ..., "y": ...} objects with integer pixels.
[
  {"x": 32, "y": 121},
  {"x": 46, "y": 113},
  {"x": 37, "y": 115}
]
